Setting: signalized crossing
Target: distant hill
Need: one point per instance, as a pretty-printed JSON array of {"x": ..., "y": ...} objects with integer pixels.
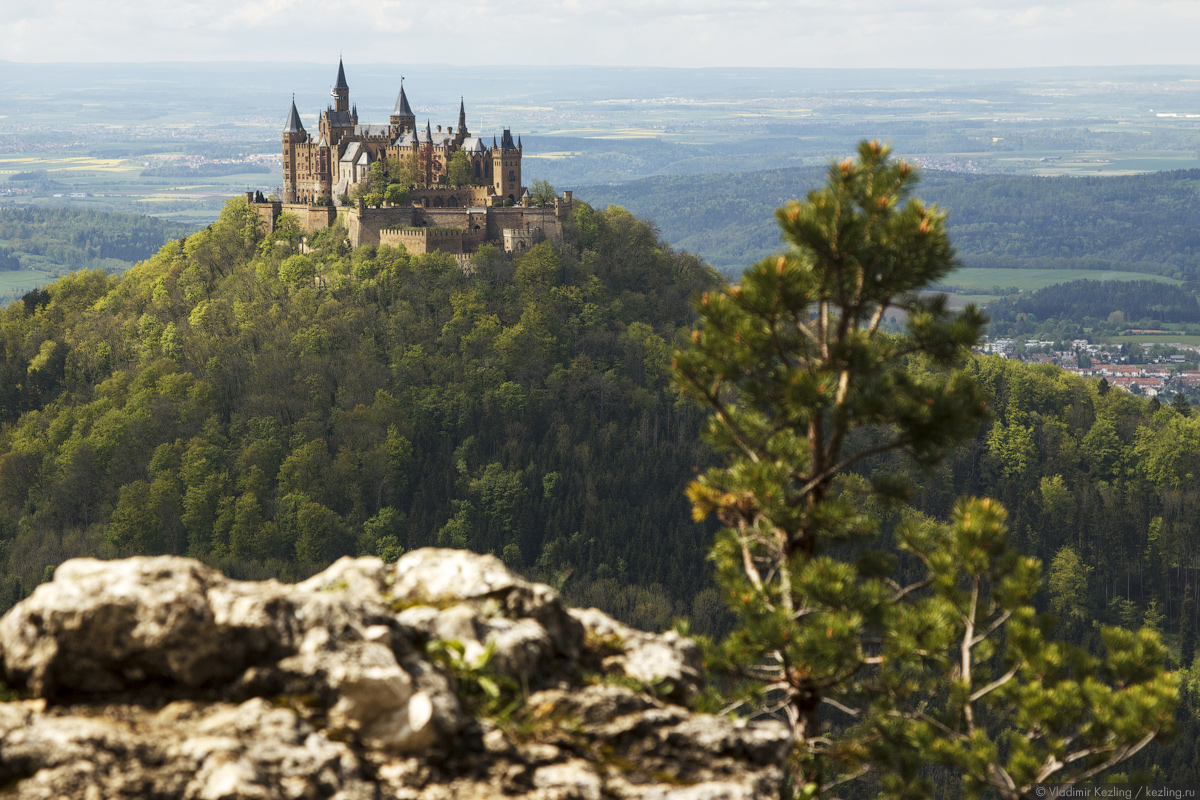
[
  {"x": 1141, "y": 223},
  {"x": 47, "y": 242}
]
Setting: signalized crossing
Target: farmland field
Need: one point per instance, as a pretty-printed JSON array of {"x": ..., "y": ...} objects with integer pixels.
[{"x": 981, "y": 279}]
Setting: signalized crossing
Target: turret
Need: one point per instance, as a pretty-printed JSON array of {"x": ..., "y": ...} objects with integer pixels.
[
  {"x": 506, "y": 167},
  {"x": 462, "y": 117},
  {"x": 341, "y": 91},
  {"x": 402, "y": 118},
  {"x": 293, "y": 135}
]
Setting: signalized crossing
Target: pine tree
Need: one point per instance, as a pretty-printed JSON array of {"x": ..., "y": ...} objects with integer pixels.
[
  {"x": 1181, "y": 404},
  {"x": 872, "y": 674}
]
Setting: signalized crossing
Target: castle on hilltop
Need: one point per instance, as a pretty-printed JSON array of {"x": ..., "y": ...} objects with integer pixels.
[{"x": 491, "y": 205}]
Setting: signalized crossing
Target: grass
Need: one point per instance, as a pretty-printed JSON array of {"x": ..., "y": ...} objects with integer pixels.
[
  {"x": 1156, "y": 338},
  {"x": 22, "y": 280},
  {"x": 977, "y": 280}
]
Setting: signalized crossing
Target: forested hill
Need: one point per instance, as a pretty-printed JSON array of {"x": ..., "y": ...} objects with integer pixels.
[
  {"x": 1141, "y": 223},
  {"x": 267, "y": 411},
  {"x": 72, "y": 238}
]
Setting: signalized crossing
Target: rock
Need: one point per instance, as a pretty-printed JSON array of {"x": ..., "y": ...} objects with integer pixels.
[
  {"x": 669, "y": 664},
  {"x": 162, "y": 678}
]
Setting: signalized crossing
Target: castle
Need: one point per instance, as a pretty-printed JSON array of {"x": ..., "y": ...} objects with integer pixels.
[{"x": 491, "y": 206}]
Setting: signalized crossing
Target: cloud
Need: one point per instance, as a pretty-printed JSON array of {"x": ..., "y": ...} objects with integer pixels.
[{"x": 690, "y": 33}]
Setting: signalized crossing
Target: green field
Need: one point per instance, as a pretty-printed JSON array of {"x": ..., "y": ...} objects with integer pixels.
[
  {"x": 976, "y": 281},
  {"x": 22, "y": 280},
  {"x": 1164, "y": 338}
]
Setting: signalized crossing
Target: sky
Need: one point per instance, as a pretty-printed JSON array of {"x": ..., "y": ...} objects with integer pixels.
[{"x": 941, "y": 34}]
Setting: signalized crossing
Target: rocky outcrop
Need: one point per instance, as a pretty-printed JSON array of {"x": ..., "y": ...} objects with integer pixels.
[{"x": 441, "y": 676}]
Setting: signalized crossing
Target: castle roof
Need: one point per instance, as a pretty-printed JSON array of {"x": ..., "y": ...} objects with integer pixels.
[
  {"x": 352, "y": 151},
  {"x": 506, "y": 141},
  {"x": 402, "y": 109},
  {"x": 404, "y": 139},
  {"x": 293, "y": 124},
  {"x": 473, "y": 144},
  {"x": 338, "y": 119},
  {"x": 372, "y": 130},
  {"x": 424, "y": 137},
  {"x": 341, "y": 78},
  {"x": 364, "y": 159}
]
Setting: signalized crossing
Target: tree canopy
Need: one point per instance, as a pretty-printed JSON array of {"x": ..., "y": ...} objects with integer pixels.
[{"x": 932, "y": 654}]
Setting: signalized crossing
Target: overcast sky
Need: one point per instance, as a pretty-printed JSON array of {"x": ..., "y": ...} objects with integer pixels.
[{"x": 686, "y": 33}]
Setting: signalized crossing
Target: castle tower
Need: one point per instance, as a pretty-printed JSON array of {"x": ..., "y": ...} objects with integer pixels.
[
  {"x": 460, "y": 132},
  {"x": 341, "y": 91},
  {"x": 293, "y": 135},
  {"x": 402, "y": 118},
  {"x": 506, "y": 168}
]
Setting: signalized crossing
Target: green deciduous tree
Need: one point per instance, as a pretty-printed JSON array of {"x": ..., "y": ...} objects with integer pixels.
[
  {"x": 458, "y": 169},
  {"x": 542, "y": 193},
  {"x": 396, "y": 194},
  {"x": 872, "y": 673},
  {"x": 406, "y": 169},
  {"x": 1069, "y": 585}
]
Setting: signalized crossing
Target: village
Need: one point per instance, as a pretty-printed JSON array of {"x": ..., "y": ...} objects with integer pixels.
[{"x": 1148, "y": 369}]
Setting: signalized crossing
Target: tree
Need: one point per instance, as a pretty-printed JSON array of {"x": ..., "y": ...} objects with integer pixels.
[
  {"x": 406, "y": 170},
  {"x": 458, "y": 170},
  {"x": 542, "y": 193},
  {"x": 1069, "y": 585},
  {"x": 1181, "y": 404},
  {"x": 396, "y": 194},
  {"x": 872, "y": 674},
  {"x": 297, "y": 270}
]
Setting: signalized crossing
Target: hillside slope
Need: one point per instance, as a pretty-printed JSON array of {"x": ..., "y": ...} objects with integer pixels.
[
  {"x": 1141, "y": 223},
  {"x": 266, "y": 411}
]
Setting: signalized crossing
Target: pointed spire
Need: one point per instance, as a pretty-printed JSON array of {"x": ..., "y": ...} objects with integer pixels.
[
  {"x": 462, "y": 114},
  {"x": 341, "y": 78},
  {"x": 518, "y": 141},
  {"x": 293, "y": 124},
  {"x": 402, "y": 108}
]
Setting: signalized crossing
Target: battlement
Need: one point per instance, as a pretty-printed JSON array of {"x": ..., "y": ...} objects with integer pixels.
[{"x": 424, "y": 240}]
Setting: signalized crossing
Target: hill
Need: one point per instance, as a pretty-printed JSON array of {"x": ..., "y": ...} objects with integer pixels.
[
  {"x": 1139, "y": 223},
  {"x": 266, "y": 411},
  {"x": 38, "y": 244}
]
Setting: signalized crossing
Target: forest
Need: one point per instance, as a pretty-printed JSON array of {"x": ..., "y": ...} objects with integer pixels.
[
  {"x": 80, "y": 238},
  {"x": 268, "y": 411},
  {"x": 1139, "y": 223},
  {"x": 265, "y": 410},
  {"x": 1094, "y": 305}
]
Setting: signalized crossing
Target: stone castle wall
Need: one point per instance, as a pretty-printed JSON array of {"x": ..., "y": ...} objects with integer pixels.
[
  {"x": 312, "y": 218},
  {"x": 424, "y": 240},
  {"x": 422, "y": 230},
  {"x": 365, "y": 224}
]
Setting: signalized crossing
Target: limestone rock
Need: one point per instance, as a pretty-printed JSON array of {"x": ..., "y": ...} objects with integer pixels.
[
  {"x": 162, "y": 678},
  {"x": 668, "y": 663}
]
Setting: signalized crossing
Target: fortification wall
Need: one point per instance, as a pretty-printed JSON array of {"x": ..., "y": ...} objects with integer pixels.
[
  {"x": 523, "y": 218},
  {"x": 311, "y": 218},
  {"x": 446, "y": 197},
  {"x": 365, "y": 224},
  {"x": 424, "y": 240}
]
